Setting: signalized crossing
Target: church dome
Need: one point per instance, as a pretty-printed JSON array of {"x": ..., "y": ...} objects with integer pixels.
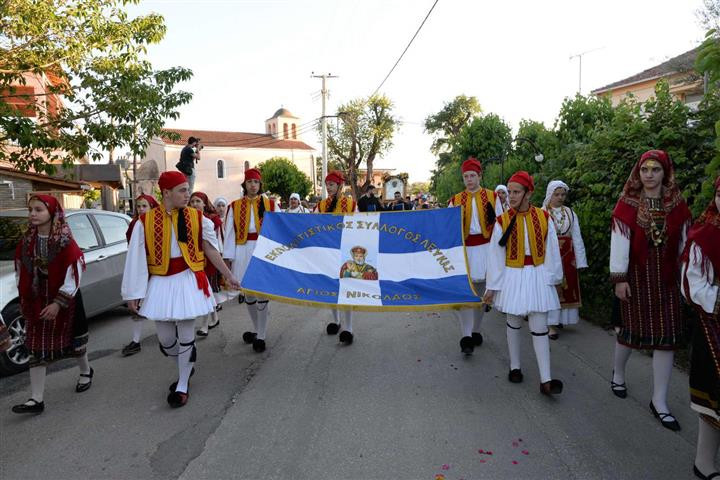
[{"x": 283, "y": 112}]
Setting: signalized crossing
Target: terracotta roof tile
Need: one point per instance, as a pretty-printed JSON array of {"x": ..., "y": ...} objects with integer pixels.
[
  {"x": 237, "y": 139},
  {"x": 682, "y": 63}
]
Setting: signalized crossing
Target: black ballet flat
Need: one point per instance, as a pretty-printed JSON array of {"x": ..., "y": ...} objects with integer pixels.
[
  {"x": 467, "y": 346},
  {"x": 36, "y": 407},
  {"x": 618, "y": 389},
  {"x": 346, "y": 337},
  {"x": 477, "y": 338},
  {"x": 216, "y": 324},
  {"x": 553, "y": 336},
  {"x": 259, "y": 345},
  {"x": 249, "y": 337},
  {"x": 699, "y": 474},
  {"x": 177, "y": 399},
  {"x": 201, "y": 333},
  {"x": 81, "y": 387},
  {"x": 553, "y": 387},
  {"x": 332, "y": 328},
  {"x": 515, "y": 376},
  {"x": 669, "y": 424}
]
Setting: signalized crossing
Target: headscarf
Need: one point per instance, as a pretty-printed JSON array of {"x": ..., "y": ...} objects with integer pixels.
[
  {"x": 153, "y": 204},
  {"x": 506, "y": 202},
  {"x": 632, "y": 216},
  {"x": 222, "y": 200},
  {"x": 296, "y": 196},
  {"x": 62, "y": 251},
  {"x": 209, "y": 210},
  {"x": 552, "y": 186},
  {"x": 704, "y": 233}
]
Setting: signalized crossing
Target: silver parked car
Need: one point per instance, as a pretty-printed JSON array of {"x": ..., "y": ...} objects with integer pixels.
[{"x": 100, "y": 235}]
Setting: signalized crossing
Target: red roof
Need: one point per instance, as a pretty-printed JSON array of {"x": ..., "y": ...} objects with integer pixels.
[{"x": 237, "y": 139}]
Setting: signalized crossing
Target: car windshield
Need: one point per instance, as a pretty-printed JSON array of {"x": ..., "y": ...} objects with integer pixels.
[{"x": 11, "y": 229}]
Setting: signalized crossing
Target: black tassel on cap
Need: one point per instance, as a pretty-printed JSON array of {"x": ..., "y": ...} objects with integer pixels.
[
  {"x": 506, "y": 236},
  {"x": 181, "y": 226}
]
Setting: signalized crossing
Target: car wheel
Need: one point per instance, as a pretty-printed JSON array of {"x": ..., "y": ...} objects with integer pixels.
[{"x": 15, "y": 359}]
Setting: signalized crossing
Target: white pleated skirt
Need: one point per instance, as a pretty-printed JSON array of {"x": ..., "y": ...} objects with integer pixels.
[
  {"x": 477, "y": 261},
  {"x": 175, "y": 297},
  {"x": 564, "y": 316},
  {"x": 526, "y": 290},
  {"x": 243, "y": 254}
]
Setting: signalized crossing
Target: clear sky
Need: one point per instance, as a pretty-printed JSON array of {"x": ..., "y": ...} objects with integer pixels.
[{"x": 250, "y": 57}]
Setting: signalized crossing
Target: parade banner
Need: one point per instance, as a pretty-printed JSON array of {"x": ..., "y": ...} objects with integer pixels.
[{"x": 365, "y": 261}]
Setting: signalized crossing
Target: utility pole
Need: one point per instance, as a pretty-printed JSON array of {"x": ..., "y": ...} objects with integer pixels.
[
  {"x": 324, "y": 92},
  {"x": 579, "y": 56}
]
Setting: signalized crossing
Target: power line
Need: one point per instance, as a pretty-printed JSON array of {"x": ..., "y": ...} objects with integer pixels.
[{"x": 406, "y": 49}]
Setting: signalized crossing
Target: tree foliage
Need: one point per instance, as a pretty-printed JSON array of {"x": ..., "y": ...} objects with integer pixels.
[
  {"x": 447, "y": 123},
  {"x": 365, "y": 132},
  {"x": 112, "y": 96},
  {"x": 282, "y": 177}
]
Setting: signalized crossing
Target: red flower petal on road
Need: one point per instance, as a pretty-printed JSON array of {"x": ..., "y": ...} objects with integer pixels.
[
  {"x": 515, "y": 462},
  {"x": 445, "y": 467},
  {"x": 483, "y": 461},
  {"x": 481, "y": 451},
  {"x": 525, "y": 452},
  {"x": 488, "y": 453},
  {"x": 515, "y": 444}
]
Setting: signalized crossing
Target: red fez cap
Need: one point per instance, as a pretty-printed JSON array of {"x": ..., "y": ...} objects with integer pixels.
[
  {"x": 472, "y": 164},
  {"x": 253, "y": 174},
  {"x": 170, "y": 180},
  {"x": 336, "y": 177},
  {"x": 523, "y": 178}
]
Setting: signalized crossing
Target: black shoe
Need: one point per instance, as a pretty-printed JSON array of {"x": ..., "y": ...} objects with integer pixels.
[
  {"x": 210, "y": 327},
  {"x": 346, "y": 337},
  {"x": 131, "y": 349},
  {"x": 249, "y": 337},
  {"x": 477, "y": 338},
  {"x": 218, "y": 307},
  {"x": 259, "y": 345},
  {"x": 36, "y": 407},
  {"x": 553, "y": 387},
  {"x": 560, "y": 326},
  {"x": 177, "y": 399},
  {"x": 332, "y": 328},
  {"x": 515, "y": 375},
  {"x": 173, "y": 385},
  {"x": 201, "y": 333},
  {"x": 699, "y": 474},
  {"x": 619, "y": 389},
  {"x": 81, "y": 387},
  {"x": 669, "y": 424},
  {"x": 467, "y": 345},
  {"x": 553, "y": 336}
]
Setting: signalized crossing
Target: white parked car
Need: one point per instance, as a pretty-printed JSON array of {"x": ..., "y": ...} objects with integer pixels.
[{"x": 100, "y": 235}]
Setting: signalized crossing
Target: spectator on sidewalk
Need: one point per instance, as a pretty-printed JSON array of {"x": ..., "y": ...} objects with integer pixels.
[
  {"x": 189, "y": 156},
  {"x": 295, "y": 205},
  {"x": 369, "y": 202},
  {"x": 398, "y": 203}
]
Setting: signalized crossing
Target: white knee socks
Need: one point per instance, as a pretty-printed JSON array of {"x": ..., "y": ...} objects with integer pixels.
[
  {"x": 622, "y": 354},
  {"x": 478, "y": 314},
  {"x": 466, "y": 321},
  {"x": 204, "y": 323},
  {"x": 262, "y": 310},
  {"x": 186, "y": 354},
  {"x": 541, "y": 344},
  {"x": 662, "y": 369},
  {"x": 346, "y": 321},
  {"x": 707, "y": 447},
  {"x": 37, "y": 382},
  {"x": 136, "y": 330},
  {"x": 513, "y": 339},
  {"x": 252, "y": 307}
]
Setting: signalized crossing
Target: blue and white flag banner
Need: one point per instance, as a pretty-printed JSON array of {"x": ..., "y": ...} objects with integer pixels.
[{"x": 365, "y": 261}]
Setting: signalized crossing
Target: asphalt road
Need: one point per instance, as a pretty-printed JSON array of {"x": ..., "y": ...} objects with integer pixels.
[{"x": 400, "y": 403}]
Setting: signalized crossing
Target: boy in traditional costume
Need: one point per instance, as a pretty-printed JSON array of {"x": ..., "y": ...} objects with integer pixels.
[
  {"x": 649, "y": 224},
  {"x": 143, "y": 203},
  {"x": 165, "y": 268},
  {"x": 48, "y": 267},
  {"x": 338, "y": 204},
  {"x": 480, "y": 208},
  {"x": 200, "y": 201},
  {"x": 572, "y": 251},
  {"x": 701, "y": 287},
  {"x": 524, "y": 267},
  {"x": 242, "y": 228}
]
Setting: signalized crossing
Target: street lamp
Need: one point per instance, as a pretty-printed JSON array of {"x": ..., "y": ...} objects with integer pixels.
[{"x": 539, "y": 157}]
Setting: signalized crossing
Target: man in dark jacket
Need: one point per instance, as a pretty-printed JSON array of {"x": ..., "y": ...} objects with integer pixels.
[
  {"x": 369, "y": 202},
  {"x": 189, "y": 155}
]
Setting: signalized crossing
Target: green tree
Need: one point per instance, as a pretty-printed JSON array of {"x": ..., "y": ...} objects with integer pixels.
[
  {"x": 447, "y": 123},
  {"x": 281, "y": 176},
  {"x": 419, "y": 187},
  {"x": 112, "y": 96},
  {"x": 708, "y": 62},
  {"x": 333, "y": 164},
  {"x": 366, "y": 132}
]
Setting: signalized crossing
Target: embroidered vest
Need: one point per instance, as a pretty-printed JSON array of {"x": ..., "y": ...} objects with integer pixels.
[
  {"x": 241, "y": 216},
  {"x": 343, "y": 205},
  {"x": 536, "y": 220},
  {"x": 158, "y": 232},
  {"x": 483, "y": 198}
]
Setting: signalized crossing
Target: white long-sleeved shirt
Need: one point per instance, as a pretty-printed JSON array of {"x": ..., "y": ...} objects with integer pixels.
[
  {"x": 620, "y": 247},
  {"x": 136, "y": 274},
  {"x": 704, "y": 292},
  {"x": 569, "y": 224}
]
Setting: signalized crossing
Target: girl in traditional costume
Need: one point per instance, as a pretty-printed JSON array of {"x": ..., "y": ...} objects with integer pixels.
[
  {"x": 338, "y": 204},
  {"x": 143, "y": 203},
  {"x": 200, "y": 201},
  {"x": 701, "y": 287},
  {"x": 165, "y": 268},
  {"x": 649, "y": 225},
  {"x": 242, "y": 227},
  {"x": 480, "y": 208},
  {"x": 572, "y": 251},
  {"x": 48, "y": 267},
  {"x": 524, "y": 266},
  {"x": 501, "y": 192}
]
